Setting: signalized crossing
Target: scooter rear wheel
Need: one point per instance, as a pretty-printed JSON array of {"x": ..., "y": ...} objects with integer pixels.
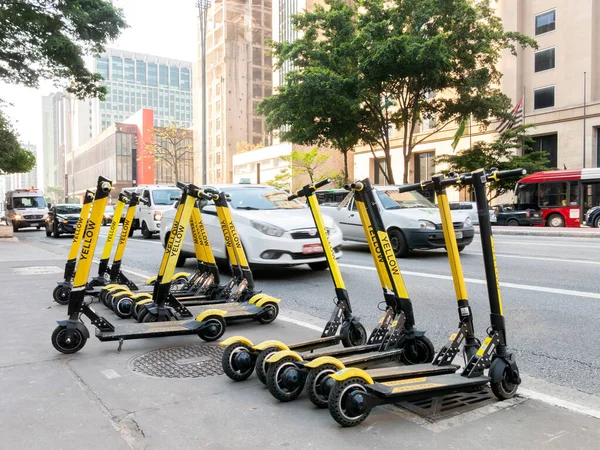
[
  {"x": 340, "y": 403},
  {"x": 61, "y": 294},
  {"x": 229, "y": 361},
  {"x": 270, "y": 313},
  {"x": 65, "y": 344},
  {"x": 276, "y": 381},
  {"x": 215, "y": 328},
  {"x": 315, "y": 384},
  {"x": 261, "y": 366}
]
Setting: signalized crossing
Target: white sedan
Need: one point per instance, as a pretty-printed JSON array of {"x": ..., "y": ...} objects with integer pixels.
[{"x": 273, "y": 230}]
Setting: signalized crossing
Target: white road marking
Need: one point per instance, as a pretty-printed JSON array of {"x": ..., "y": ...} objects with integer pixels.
[
  {"x": 110, "y": 374},
  {"x": 539, "y": 258},
  {"x": 538, "y": 244},
  {"x": 550, "y": 400},
  {"x": 299, "y": 323},
  {"x": 476, "y": 281}
]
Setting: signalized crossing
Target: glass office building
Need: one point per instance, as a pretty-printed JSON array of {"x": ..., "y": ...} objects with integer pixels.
[{"x": 137, "y": 81}]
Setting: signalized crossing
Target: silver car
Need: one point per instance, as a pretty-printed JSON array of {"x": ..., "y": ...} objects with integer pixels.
[{"x": 471, "y": 209}]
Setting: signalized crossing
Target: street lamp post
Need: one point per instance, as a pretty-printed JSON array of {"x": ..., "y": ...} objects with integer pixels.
[{"x": 203, "y": 6}]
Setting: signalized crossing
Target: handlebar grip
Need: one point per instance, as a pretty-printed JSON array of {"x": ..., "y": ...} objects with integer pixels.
[
  {"x": 211, "y": 190},
  {"x": 357, "y": 186},
  {"x": 322, "y": 183},
  {"x": 292, "y": 197},
  {"x": 206, "y": 196},
  {"x": 126, "y": 194},
  {"x": 500, "y": 175},
  {"x": 181, "y": 185},
  {"x": 415, "y": 186}
]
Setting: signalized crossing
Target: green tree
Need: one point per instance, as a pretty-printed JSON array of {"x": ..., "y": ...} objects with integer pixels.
[
  {"x": 282, "y": 180},
  {"x": 13, "y": 157},
  {"x": 310, "y": 163},
  {"x": 173, "y": 145},
  {"x": 55, "y": 194},
  {"x": 398, "y": 54},
  {"x": 502, "y": 154}
]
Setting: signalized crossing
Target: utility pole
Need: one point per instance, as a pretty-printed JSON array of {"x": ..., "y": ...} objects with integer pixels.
[{"x": 203, "y": 6}]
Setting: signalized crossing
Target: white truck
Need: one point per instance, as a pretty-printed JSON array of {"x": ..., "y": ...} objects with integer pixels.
[
  {"x": 160, "y": 197},
  {"x": 412, "y": 221},
  {"x": 25, "y": 208}
]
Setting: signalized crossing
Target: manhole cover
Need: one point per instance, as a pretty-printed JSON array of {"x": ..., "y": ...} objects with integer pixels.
[
  {"x": 37, "y": 270},
  {"x": 192, "y": 361},
  {"x": 440, "y": 408}
]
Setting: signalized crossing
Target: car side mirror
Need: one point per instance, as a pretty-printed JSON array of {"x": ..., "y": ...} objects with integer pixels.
[{"x": 49, "y": 205}]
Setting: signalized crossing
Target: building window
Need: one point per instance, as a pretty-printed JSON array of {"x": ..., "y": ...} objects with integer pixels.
[
  {"x": 185, "y": 79},
  {"x": 117, "y": 68},
  {"x": 543, "y": 97},
  {"x": 174, "y": 72},
  {"x": 152, "y": 75},
  {"x": 424, "y": 168},
  {"x": 140, "y": 72},
  {"x": 163, "y": 76},
  {"x": 545, "y": 22},
  {"x": 129, "y": 70},
  {"x": 545, "y": 59},
  {"x": 548, "y": 144},
  {"x": 102, "y": 66},
  {"x": 379, "y": 167}
]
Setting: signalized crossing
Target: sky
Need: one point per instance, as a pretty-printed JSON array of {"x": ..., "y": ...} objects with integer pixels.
[{"x": 159, "y": 27}]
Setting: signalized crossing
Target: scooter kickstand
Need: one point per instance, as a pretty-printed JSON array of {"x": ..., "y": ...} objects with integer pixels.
[{"x": 120, "y": 345}]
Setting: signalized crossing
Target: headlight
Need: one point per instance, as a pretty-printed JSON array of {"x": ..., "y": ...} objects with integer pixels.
[
  {"x": 65, "y": 221},
  {"x": 267, "y": 228},
  {"x": 468, "y": 222},
  {"x": 18, "y": 216},
  {"x": 426, "y": 225},
  {"x": 157, "y": 216}
]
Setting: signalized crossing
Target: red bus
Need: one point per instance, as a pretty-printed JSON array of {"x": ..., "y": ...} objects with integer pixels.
[{"x": 563, "y": 196}]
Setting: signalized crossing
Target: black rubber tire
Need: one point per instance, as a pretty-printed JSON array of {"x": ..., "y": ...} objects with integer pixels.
[
  {"x": 597, "y": 222},
  {"x": 130, "y": 232},
  {"x": 560, "y": 221},
  {"x": 461, "y": 248},
  {"x": 48, "y": 232},
  {"x": 337, "y": 400},
  {"x": 398, "y": 242},
  {"x": 276, "y": 390},
  {"x": 357, "y": 335},
  {"x": 425, "y": 352},
  {"x": 55, "y": 232},
  {"x": 228, "y": 367},
  {"x": 313, "y": 384},
  {"x": 60, "y": 294},
  {"x": 270, "y": 315},
  {"x": 15, "y": 227},
  {"x": 57, "y": 340},
  {"x": 318, "y": 266},
  {"x": 146, "y": 234},
  {"x": 118, "y": 307},
  {"x": 504, "y": 389},
  {"x": 142, "y": 310},
  {"x": 512, "y": 223},
  {"x": 260, "y": 367},
  {"x": 213, "y": 336}
]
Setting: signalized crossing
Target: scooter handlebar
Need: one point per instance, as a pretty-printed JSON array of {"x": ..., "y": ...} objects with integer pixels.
[
  {"x": 356, "y": 186},
  {"x": 501, "y": 175},
  {"x": 416, "y": 186},
  {"x": 302, "y": 192},
  {"x": 181, "y": 185}
]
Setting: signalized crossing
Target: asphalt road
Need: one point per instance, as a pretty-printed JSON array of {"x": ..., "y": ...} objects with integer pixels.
[{"x": 551, "y": 295}]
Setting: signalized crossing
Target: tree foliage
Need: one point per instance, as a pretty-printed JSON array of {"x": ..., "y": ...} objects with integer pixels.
[
  {"x": 13, "y": 157},
  {"x": 309, "y": 163},
  {"x": 55, "y": 194},
  {"x": 503, "y": 154},
  {"x": 377, "y": 64},
  {"x": 172, "y": 145}
]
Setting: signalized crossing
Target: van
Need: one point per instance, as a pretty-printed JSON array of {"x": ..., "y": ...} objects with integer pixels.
[
  {"x": 25, "y": 208},
  {"x": 160, "y": 197}
]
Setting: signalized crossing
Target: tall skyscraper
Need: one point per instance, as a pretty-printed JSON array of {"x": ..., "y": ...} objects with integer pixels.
[
  {"x": 238, "y": 75},
  {"x": 50, "y": 155},
  {"x": 137, "y": 81}
]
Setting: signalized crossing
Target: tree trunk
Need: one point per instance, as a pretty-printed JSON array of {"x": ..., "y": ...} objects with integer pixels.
[
  {"x": 345, "y": 153},
  {"x": 176, "y": 171}
]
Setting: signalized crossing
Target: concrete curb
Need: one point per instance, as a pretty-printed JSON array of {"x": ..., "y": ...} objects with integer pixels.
[{"x": 535, "y": 231}]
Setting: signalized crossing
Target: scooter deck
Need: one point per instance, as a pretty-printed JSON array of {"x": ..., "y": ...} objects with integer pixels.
[
  {"x": 307, "y": 346},
  {"x": 340, "y": 352},
  {"x": 416, "y": 370},
  {"x": 425, "y": 387},
  {"x": 364, "y": 360},
  {"x": 128, "y": 331}
]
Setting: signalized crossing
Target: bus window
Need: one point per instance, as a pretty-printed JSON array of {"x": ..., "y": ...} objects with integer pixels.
[
  {"x": 574, "y": 193},
  {"x": 591, "y": 195},
  {"x": 527, "y": 196},
  {"x": 553, "y": 194}
]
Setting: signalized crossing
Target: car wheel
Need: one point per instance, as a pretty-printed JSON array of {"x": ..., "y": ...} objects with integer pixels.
[
  {"x": 555, "y": 220},
  {"x": 512, "y": 223},
  {"x": 145, "y": 231},
  {"x": 103, "y": 222},
  {"x": 597, "y": 221},
  {"x": 461, "y": 248},
  {"x": 15, "y": 227},
  {"x": 48, "y": 232},
  {"x": 398, "y": 242},
  {"x": 55, "y": 232},
  {"x": 317, "y": 266}
]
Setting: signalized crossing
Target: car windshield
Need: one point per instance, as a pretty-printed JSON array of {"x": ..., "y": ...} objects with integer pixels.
[
  {"x": 29, "y": 202},
  {"x": 109, "y": 209},
  {"x": 392, "y": 199},
  {"x": 261, "y": 199},
  {"x": 68, "y": 209},
  {"x": 165, "y": 196}
]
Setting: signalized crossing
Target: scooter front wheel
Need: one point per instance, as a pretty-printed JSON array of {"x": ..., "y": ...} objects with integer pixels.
[
  {"x": 355, "y": 335},
  {"x": 61, "y": 294},
  {"x": 66, "y": 342},
  {"x": 422, "y": 352},
  {"x": 504, "y": 388},
  {"x": 238, "y": 361},
  {"x": 346, "y": 402},
  {"x": 284, "y": 380}
]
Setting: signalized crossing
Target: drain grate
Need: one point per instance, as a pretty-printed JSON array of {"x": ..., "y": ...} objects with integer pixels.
[
  {"x": 440, "y": 408},
  {"x": 193, "y": 361}
]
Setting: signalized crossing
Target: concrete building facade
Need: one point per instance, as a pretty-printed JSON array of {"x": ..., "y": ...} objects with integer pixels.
[{"x": 238, "y": 75}]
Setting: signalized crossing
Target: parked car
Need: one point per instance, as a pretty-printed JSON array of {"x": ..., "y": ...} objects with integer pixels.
[
  {"x": 471, "y": 209},
  {"x": 510, "y": 216},
  {"x": 592, "y": 217},
  {"x": 159, "y": 198},
  {"x": 273, "y": 230},
  {"x": 109, "y": 212},
  {"x": 412, "y": 221},
  {"x": 62, "y": 219}
]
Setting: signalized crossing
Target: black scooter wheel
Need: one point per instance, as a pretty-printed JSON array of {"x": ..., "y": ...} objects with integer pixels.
[
  {"x": 283, "y": 384},
  {"x": 345, "y": 404},
  {"x": 355, "y": 336},
  {"x": 67, "y": 344},
  {"x": 123, "y": 307},
  {"x": 238, "y": 361},
  {"x": 316, "y": 387},
  {"x": 61, "y": 294},
  {"x": 422, "y": 353},
  {"x": 269, "y": 314},
  {"x": 214, "y": 328},
  {"x": 261, "y": 365},
  {"x": 503, "y": 389}
]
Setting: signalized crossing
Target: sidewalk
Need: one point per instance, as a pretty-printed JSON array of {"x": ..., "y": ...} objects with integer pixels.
[
  {"x": 101, "y": 399},
  {"x": 584, "y": 232}
]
